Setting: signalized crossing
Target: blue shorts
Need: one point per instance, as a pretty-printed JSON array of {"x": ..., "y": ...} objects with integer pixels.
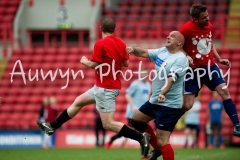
[
  {"x": 193, "y": 82},
  {"x": 165, "y": 117}
]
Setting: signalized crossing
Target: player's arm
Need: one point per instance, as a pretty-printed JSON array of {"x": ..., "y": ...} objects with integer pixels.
[
  {"x": 164, "y": 91},
  {"x": 129, "y": 100},
  {"x": 137, "y": 51},
  {"x": 125, "y": 63},
  {"x": 219, "y": 59},
  {"x": 88, "y": 63}
]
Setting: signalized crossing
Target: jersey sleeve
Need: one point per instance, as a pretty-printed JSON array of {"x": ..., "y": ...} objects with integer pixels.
[
  {"x": 179, "y": 68},
  {"x": 97, "y": 53},
  {"x": 132, "y": 88},
  {"x": 126, "y": 56},
  {"x": 153, "y": 53}
]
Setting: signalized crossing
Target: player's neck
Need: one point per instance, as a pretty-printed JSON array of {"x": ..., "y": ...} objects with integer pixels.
[
  {"x": 173, "y": 50},
  {"x": 104, "y": 35}
]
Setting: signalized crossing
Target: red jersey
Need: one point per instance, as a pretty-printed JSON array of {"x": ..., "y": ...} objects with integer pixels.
[
  {"x": 198, "y": 43},
  {"x": 50, "y": 114},
  {"x": 109, "y": 50}
]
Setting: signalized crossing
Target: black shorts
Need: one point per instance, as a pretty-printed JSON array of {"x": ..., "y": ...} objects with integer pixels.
[
  {"x": 216, "y": 126},
  {"x": 165, "y": 117},
  {"x": 192, "y": 126}
]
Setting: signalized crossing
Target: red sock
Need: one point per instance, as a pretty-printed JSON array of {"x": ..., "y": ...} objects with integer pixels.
[
  {"x": 153, "y": 140},
  {"x": 167, "y": 152}
]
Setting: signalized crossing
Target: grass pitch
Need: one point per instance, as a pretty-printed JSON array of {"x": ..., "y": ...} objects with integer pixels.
[{"x": 113, "y": 154}]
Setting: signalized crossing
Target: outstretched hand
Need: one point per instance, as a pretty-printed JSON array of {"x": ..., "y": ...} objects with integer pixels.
[
  {"x": 130, "y": 50},
  {"x": 83, "y": 59},
  {"x": 225, "y": 62}
]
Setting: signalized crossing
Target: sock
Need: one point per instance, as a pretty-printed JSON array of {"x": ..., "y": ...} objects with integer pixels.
[
  {"x": 167, "y": 152},
  {"x": 153, "y": 140},
  {"x": 129, "y": 133},
  {"x": 231, "y": 111},
  {"x": 220, "y": 139},
  {"x": 212, "y": 139},
  {"x": 57, "y": 123},
  {"x": 114, "y": 138}
]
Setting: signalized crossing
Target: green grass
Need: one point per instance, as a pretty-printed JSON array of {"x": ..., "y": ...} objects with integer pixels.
[{"x": 113, "y": 154}]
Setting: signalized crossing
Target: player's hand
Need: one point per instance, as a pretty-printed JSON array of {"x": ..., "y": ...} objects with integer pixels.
[
  {"x": 134, "y": 108},
  {"x": 225, "y": 62},
  {"x": 190, "y": 60},
  {"x": 161, "y": 98},
  {"x": 130, "y": 50},
  {"x": 83, "y": 59}
]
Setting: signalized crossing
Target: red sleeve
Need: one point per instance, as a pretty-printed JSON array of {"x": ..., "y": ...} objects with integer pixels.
[
  {"x": 97, "y": 53},
  {"x": 126, "y": 56}
]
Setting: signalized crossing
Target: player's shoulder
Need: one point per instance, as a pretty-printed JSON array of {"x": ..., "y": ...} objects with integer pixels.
[
  {"x": 119, "y": 40},
  {"x": 188, "y": 25}
]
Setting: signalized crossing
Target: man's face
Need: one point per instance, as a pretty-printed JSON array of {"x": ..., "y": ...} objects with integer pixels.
[
  {"x": 203, "y": 19},
  {"x": 172, "y": 40}
]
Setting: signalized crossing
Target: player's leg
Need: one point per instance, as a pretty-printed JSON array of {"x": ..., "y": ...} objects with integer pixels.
[
  {"x": 165, "y": 147},
  {"x": 140, "y": 122},
  {"x": 122, "y": 130},
  {"x": 97, "y": 128},
  {"x": 44, "y": 143},
  {"x": 192, "y": 85},
  {"x": 194, "y": 135},
  {"x": 212, "y": 136},
  {"x": 218, "y": 84},
  {"x": 112, "y": 139},
  {"x": 229, "y": 107},
  {"x": 81, "y": 101},
  {"x": 166, "y": 119},
  {"x": 186, "y": 132},
  {"x": 105, "y": 100}
]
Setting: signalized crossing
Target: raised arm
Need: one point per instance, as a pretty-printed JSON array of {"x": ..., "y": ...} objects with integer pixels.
[
  {"x": 137, "y": 51},
  {"x": 88, "y": 63},
  {"x": 219, "y": 59},
  {"x": 161, "y": 97}
]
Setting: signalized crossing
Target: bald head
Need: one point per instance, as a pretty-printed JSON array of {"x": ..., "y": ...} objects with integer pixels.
[{"x": 180, "y": 38}]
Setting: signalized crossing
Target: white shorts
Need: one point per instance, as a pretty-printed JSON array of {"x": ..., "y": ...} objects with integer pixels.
[{"x": 105, "y": 98}]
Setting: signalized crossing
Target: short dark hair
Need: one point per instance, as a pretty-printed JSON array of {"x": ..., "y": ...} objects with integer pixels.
[
  {"x": 108, "y": 25},
  {"x": 196, "y": 9}
]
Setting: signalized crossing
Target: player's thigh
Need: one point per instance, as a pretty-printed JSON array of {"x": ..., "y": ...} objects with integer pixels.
[
  {"x": 106, "y": 117},
  {"x": 162, "y": 137},
  {"x": 166, "y": 117},
  {"x": 192, "y": 82},
  {"x": 145, "y": 113},
  {"x": 139, "y": 116},
  {"x": 83, "y": 100},
  {"x": 188, "y": 101},
  {"x": 223, "y": 91}
]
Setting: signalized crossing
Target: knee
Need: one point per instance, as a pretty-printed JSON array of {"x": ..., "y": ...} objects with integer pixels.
[
  {"x": 224, "y": 93},
  {"x": 107, "y": 126},
  {"x": 186, "y": 106},
  {"x": 140, "y": 126}
]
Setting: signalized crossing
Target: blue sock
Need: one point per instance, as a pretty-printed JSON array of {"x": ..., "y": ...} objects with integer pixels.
[
  {"x": 220, "y": 139},
  {"x": 211, "y": 139},
  {"x": 231, "y": 111}
]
